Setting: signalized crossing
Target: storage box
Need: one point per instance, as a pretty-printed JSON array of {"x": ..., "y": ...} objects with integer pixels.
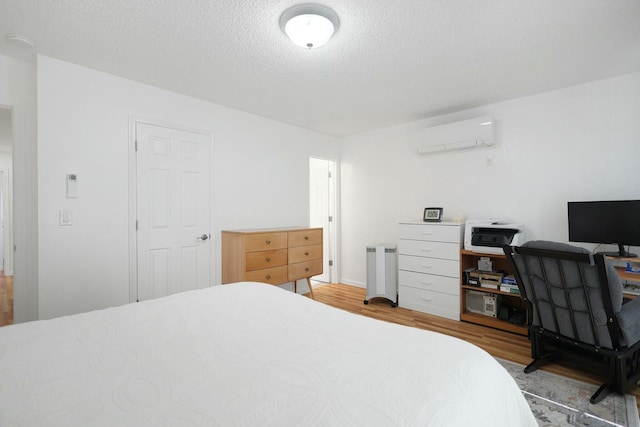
[{"x": 490, "y": 280}]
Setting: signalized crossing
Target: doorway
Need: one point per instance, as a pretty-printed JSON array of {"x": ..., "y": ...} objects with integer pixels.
[
  {"x": 6, "y": 216},
  {"x": 172, "y": 219},
  {"x": 322, "y": 211},
  {"x": 6, "y": 192}
]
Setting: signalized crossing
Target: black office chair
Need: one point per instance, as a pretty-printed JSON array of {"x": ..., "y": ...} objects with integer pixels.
[{"x": 577, "y": 309}]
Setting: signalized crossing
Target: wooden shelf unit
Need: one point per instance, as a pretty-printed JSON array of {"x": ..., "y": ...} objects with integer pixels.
[
  {"x": 469, "y": 259},
  {"x": 625, "y": 275}
]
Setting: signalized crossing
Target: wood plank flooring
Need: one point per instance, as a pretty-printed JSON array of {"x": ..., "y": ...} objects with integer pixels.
[
  {"x": 6, "y": 299},
  {"x": 504, "y": 345}
]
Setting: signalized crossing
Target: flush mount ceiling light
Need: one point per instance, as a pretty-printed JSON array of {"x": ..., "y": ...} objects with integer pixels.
[
  {"x": 20, "y": 40},
  {"x": 309, "y": 25}
]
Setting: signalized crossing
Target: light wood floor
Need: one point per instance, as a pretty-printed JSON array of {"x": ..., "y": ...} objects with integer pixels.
[
  {"x": 6, "y": 299},
  {"x": 505, "y": 345},
  {"x": 501, "y": 344}
]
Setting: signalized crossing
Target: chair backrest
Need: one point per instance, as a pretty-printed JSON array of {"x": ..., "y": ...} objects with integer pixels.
[{"x": 572, "y": 292}]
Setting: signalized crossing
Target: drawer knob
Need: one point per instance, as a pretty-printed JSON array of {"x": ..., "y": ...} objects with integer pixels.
[
  {"x": 426, "y": 266},
  {"x": 306, "y": 253},
  {"x": 306, "y": 237},
  {"x": 268, "y": 242},
  {"x": 306, "y": 269},
  {"x": 268, "y": 276},
  {"x": 426, "y": 250},
  {"x": 426, "y": 299},
  {"x": 268, "y": 258},
  {"x": 427, "y": 283}
]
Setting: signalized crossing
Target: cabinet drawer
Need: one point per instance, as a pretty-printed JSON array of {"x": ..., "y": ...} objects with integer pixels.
[
  {"x": 430, "y": 249},
  {"x": 266, "y": 259},
  {"x": 303, "y": 270},
  {"x": 429, "y": 282},
  {"x": 275, "y": 275},
  {"x": 444, "y": 305},
  {"x": 312, "y": 236},
  {"x": 265, "y": 241},
  {"x": 432, "y": 232},
  {"x": 305, "y": 253},
  {"x": 441, "y": 267}
]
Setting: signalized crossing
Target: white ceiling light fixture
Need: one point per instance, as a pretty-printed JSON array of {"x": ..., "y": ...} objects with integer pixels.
[
  {"x": 309, "y": 25},
  {"x": 20, "y": 40}
]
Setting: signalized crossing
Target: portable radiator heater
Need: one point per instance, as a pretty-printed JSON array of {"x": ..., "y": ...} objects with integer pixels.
[{"x": 382, "y": 273}]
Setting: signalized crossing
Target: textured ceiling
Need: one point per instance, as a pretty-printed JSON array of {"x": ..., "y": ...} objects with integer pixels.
[{"x": 390, "y": 62}]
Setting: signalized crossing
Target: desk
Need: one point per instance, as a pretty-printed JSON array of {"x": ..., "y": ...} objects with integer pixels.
[{"x": 627, "y": 276}]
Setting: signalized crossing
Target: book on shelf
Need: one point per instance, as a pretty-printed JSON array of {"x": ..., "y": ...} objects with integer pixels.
[
  {"x": 509, "y": 280},
  {"x": 512, "y": 289}
]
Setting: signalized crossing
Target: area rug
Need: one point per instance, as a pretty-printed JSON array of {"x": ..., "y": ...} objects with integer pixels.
[{"x": 560, "y": 401}]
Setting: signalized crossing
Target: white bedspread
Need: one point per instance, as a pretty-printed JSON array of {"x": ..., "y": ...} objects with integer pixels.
[{"x": 246, "y": 354}]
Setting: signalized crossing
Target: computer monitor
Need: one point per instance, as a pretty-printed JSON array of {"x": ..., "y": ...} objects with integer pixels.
[{"x": 606, "y": 222}]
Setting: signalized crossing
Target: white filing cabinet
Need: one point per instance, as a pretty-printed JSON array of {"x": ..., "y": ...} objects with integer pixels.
[{"x": 429, "y": 267}]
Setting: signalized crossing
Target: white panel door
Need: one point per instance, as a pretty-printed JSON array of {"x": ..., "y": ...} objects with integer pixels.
[
  {"x": 321, "y": 212},
  {"x": 173, "y": 204}
]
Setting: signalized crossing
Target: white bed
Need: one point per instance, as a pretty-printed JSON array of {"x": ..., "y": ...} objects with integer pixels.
[{"x": 246, "y": 354}]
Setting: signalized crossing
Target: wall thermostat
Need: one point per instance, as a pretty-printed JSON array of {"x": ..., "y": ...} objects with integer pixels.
[{"x": 72, "y": 186}]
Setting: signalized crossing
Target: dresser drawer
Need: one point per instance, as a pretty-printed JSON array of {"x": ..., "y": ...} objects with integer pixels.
[
  {"x": 302, "y": 270},
  {"x": 436, "y": 303},
  {"x": 266, "y": 259},
  {"x": 306, "y": 237},
  {"x": 432, "y": 232},
  {"x": 275, "y": 275},
  {"x": 264, "y": 241},
  {"x": 430, "y": 249},
  {"x": 441, "y": 267},
  {"x": 429, "y": 282},
  {"x": 305, "y": 253}
]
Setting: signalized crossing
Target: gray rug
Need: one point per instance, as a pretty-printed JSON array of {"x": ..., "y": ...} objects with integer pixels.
[{"x": 560, "y": 401}]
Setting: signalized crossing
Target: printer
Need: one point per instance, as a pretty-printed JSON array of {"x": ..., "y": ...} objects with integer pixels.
[{"x": 489, "y": 235}]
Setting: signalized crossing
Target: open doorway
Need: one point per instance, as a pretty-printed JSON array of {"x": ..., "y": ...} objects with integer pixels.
[
  {"x": 322, "y": 211},
  {"x": 6, "y": 216}
]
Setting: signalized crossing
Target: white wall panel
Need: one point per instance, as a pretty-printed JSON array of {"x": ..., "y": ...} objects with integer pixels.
[
  {"x": 260, "y": 177},
  {"x": 579, "y": 143}
]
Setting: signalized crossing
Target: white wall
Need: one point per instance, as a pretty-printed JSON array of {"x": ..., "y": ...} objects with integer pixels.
[
  {"x": 260, "y": 177},
  {"x": 579, "y": 143},
  {"x": 18, "y": 92}
]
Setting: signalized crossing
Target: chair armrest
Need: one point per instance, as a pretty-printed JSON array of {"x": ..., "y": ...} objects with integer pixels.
[{"x": 629, "y": 321}]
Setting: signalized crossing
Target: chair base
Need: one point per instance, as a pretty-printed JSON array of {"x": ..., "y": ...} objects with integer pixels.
[{"x": 602, "y": 391}]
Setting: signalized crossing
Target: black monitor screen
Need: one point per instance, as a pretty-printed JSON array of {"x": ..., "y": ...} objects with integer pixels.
[{"x": 615, "y": 222}]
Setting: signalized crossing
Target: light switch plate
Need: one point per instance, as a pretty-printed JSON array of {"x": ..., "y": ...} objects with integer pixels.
[{"x": 65, "y": 217}]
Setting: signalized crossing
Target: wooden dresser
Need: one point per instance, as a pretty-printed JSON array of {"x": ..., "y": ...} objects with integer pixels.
[{"x": 274, "y": 256}]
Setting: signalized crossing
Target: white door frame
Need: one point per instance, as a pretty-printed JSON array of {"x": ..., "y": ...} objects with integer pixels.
[
  {"x": 8, "y": 206},
  {"x": 334, "y": 225},
  {"x": 133, "y": 185}
]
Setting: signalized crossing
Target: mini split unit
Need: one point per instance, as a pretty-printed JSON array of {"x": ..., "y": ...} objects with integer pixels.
[{"x": 464, "y": 135}]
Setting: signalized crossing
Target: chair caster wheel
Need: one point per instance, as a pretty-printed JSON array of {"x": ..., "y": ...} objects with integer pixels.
[
  {"x": 366, "y": 302},
  {"x": 393, "y": 304}
]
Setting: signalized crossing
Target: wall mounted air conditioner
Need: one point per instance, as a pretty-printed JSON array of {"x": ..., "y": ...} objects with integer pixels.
[{"x": 467, "y": 134}]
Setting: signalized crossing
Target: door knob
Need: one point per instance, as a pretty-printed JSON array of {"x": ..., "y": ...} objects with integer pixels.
[{"x": 203, "y": 237}]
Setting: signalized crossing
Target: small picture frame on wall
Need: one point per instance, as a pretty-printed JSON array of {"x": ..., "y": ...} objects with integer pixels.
[{"x": 432, "y": 215}]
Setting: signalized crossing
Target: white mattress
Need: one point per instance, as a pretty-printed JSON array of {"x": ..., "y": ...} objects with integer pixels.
[{"x": 246, "y": 354}]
